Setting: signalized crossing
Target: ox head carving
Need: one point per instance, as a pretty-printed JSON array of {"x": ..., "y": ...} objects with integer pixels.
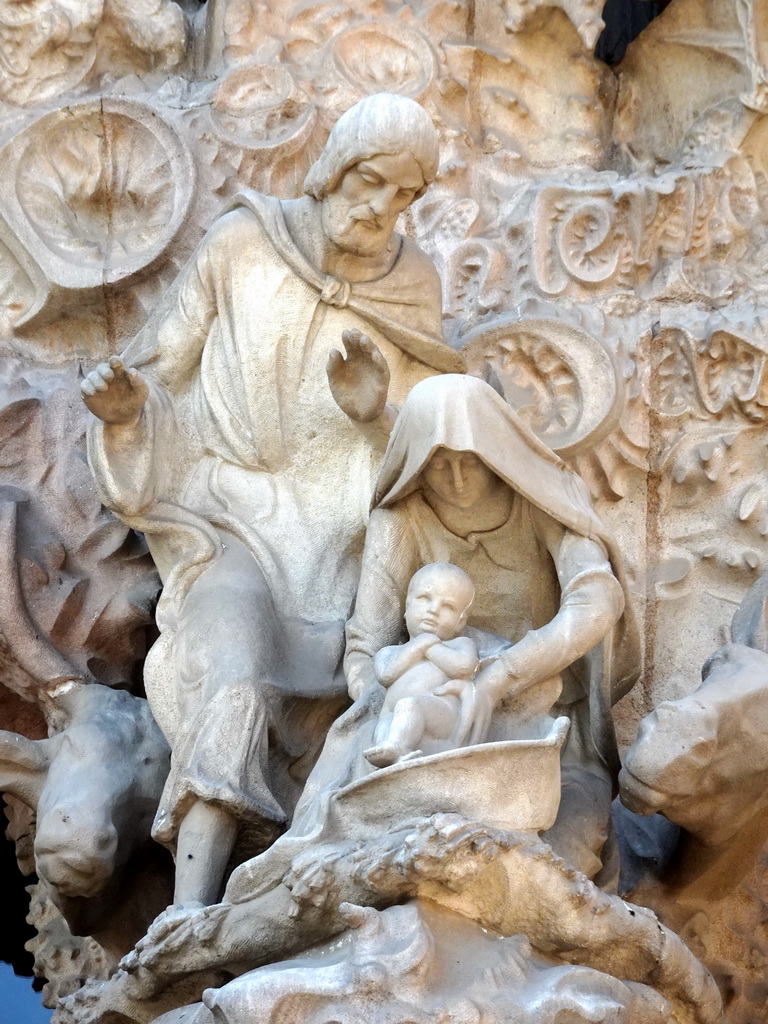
[{"x": 95, "y": 787}]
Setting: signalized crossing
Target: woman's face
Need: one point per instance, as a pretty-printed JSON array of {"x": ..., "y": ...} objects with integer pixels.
[{"x": 461, "y": 479}]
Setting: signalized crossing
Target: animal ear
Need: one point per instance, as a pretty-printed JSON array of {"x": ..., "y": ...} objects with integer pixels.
[
  {"x": 750, "y": 622},
  {"x": 24, "y": 766}
]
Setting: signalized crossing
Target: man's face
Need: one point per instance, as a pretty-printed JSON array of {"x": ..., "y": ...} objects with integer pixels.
[{"x": 360, "y": 215}]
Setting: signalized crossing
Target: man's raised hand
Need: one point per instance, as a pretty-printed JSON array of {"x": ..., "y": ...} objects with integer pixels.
[
  {"x": 359, "y": 382},
  {"x": 114, "y": 393}
]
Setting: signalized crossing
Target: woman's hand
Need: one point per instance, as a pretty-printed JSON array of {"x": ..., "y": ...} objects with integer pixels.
[
  {"x": 367, "y": 691},
  {"x": 494, "y": 681}
]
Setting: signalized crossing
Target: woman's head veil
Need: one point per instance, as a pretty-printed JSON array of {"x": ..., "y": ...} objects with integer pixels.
[{"x": 464, "y": 413}]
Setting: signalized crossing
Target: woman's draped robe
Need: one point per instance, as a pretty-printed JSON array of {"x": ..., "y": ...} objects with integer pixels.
[
  {"x": 535, "y": 580},
  {"x": 253, "y": 489}
]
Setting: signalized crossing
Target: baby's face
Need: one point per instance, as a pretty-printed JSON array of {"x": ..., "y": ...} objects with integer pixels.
[{"x": 435, "y": 604}]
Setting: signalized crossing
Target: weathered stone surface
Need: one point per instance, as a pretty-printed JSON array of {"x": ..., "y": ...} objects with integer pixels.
[{"x": 587, "y": 241}]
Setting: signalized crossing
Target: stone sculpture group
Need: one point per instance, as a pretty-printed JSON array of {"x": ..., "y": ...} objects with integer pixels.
[
  {"x": 393, "y": 626},
  {"x": 257, "y": 551}
]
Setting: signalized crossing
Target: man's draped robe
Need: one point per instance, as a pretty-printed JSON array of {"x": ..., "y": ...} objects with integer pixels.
[{"x": 253, "y": 489}]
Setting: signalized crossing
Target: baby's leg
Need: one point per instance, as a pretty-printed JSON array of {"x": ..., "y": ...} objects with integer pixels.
[
  {"x": 413, "y": 720},
  {"x": 406, "y": 727},
  {"x": 381, "y": 733},
  {"x": 439, "y": 716}
]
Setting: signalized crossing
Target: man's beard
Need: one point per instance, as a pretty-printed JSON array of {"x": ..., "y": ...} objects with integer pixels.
[{"x": 360, "y": 233}]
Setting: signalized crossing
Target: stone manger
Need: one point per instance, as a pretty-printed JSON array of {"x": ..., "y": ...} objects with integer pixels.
[{"x": 513, "y": 784}]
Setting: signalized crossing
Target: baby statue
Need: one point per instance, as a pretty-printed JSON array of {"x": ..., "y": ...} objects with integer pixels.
[{"x": 430, "y": 694}]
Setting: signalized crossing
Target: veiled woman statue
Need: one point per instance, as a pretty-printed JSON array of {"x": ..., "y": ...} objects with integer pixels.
[{"x": 465, "y": 481}]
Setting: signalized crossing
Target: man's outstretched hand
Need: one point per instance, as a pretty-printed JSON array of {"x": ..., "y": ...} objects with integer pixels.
[
  {"x": 114, "y": 393},
  {"x": 359, "y": 381}
]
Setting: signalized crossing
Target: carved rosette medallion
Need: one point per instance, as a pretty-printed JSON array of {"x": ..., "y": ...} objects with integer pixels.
[
  {"x": 261, "y": 107},
  {"x": 46, "y": 48},
  {"x": 51, "y": 47},
  {"x": 384, "y": 56},
  {"x": 96, "y": 191}
]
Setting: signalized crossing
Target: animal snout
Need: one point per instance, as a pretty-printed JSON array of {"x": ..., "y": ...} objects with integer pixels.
[
  {"x": 74, "y": 857},
  {"x": 671, "y": 752}
]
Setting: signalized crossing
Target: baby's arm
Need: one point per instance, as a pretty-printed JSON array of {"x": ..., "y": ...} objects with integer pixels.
[
  {"x": 457, "y": 658},
  {"x": 391, "y": 662}
]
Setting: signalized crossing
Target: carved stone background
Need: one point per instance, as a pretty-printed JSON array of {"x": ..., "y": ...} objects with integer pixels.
[{"x": 601, "y": 237}]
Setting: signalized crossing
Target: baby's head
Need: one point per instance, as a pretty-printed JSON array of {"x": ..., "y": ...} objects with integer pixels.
[{"x": 439, "y": 599}]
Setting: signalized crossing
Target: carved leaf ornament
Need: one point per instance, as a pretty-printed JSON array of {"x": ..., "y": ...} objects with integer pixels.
[
  {"x": 583, "y": 238},
  {"x": 477, "y": 278},
  {"x": 617, "y": 234},
  {"x": 558, "y": 377},
  {"x": 705, "y": 378}
]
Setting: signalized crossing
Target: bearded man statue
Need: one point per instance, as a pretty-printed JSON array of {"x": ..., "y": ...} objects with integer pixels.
[{"x": 216, "y": 433}]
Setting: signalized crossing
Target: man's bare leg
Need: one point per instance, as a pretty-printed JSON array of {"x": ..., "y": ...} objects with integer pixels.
[{"x": 206, "y": 837}]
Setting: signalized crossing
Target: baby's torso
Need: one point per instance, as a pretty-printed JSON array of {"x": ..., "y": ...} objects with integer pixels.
[{"x": 417, "y": 681}]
